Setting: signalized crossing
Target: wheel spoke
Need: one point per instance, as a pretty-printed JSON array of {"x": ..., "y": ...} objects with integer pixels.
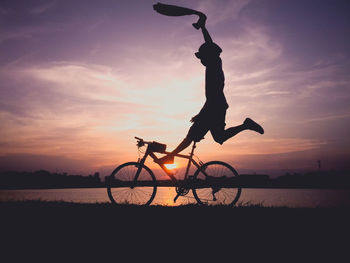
[
  {"x": 219, "y": 174},
  {"x": 138, "y": 194}
]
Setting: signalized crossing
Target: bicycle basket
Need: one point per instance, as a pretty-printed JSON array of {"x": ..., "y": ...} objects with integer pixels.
[{"x": 157, "y": 147}]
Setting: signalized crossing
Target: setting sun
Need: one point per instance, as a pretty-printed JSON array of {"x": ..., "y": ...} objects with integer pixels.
[{"x": 170, "y": 166}]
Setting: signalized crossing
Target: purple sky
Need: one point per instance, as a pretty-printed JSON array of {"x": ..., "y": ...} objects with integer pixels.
[{"x": 80, "y": 79}]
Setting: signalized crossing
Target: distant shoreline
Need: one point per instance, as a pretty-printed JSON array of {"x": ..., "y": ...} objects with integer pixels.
[
  {"x": 36, "y": 207},
  {"x": 38, "y": 204},
  {"x": 45, "y": 180},
  {"x": 243, "y": 187}
]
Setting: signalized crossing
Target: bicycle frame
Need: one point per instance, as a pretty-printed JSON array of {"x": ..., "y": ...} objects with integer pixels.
[{"x": 172, "y": 177}]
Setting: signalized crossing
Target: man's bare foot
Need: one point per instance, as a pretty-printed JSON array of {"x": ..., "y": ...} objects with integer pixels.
[{"x": 252, "y": 125}]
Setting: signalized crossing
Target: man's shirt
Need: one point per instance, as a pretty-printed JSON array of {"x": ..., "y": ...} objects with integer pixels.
[{"x": 214, "y": 85}]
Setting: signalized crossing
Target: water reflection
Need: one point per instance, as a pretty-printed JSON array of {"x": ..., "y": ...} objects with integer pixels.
[{"x": 165, "y": 196}]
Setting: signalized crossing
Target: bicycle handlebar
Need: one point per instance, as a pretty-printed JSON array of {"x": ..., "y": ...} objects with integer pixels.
[{"x": 141, "y": 142}]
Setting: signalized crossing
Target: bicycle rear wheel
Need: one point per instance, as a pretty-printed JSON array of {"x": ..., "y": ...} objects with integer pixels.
[
  {"x": 122, "y": 188},
  {"x": 216, "y": 183}
]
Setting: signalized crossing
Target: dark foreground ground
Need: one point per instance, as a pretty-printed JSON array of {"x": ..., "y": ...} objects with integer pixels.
[{"x": 176, "y": 231}]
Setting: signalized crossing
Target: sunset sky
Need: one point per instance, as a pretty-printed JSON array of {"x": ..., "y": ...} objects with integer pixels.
[{"x": 79, "y": 79}]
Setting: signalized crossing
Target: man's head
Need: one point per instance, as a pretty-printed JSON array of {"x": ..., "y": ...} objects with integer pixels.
[{"x": 207, "y": 51}]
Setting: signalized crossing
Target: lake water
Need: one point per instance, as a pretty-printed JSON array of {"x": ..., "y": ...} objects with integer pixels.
[{"x": 165, "y": 195}]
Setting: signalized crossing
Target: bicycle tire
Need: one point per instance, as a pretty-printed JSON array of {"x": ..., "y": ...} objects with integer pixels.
[
  {"x": 122, "y": 189},
  {"x": 204, "y": 189}
]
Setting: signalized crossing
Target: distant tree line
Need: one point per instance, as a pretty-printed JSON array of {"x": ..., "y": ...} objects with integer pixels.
[
  {"x": 44, "y": 179},
  {"x": 315, "y": 179},
  {"x": 318, "y": 179}
]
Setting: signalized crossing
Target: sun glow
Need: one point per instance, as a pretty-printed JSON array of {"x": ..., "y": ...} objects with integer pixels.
[{"x": 170, "y": 166}]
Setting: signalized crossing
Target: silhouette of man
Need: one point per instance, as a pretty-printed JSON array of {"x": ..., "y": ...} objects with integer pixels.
[{"x": 212, "y": 115}]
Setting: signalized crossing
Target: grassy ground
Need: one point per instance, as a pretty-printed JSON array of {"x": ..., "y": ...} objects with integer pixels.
[
  {"x": 243, "y": 214},
  {"x": 78, "y": 229}
]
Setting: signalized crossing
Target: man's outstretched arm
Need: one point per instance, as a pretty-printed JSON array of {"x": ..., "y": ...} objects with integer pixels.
[
  {"x": 206, "y": 35},
  {"x": 201, "y": 24}
]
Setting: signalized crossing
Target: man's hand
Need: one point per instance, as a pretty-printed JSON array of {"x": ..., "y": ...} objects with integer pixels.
[{"x": 201, "y": 21}]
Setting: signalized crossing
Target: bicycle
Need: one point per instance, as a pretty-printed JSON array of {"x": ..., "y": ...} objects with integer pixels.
[{"x": 213, "y": 182}]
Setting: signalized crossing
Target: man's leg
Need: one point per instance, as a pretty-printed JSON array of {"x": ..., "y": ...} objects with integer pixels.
[
  {"x": 221, "y": 135},
  {"x": 195, "y": 133},
  {"x": 182, "y": 146}
]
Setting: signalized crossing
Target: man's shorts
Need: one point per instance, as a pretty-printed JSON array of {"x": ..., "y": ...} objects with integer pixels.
[{"x": 207, "y": 121}]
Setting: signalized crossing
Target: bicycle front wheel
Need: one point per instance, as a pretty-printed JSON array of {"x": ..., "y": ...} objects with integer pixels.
[
  {"x": 216, "y": 183},
  {"x": 124, "y": 186}
]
